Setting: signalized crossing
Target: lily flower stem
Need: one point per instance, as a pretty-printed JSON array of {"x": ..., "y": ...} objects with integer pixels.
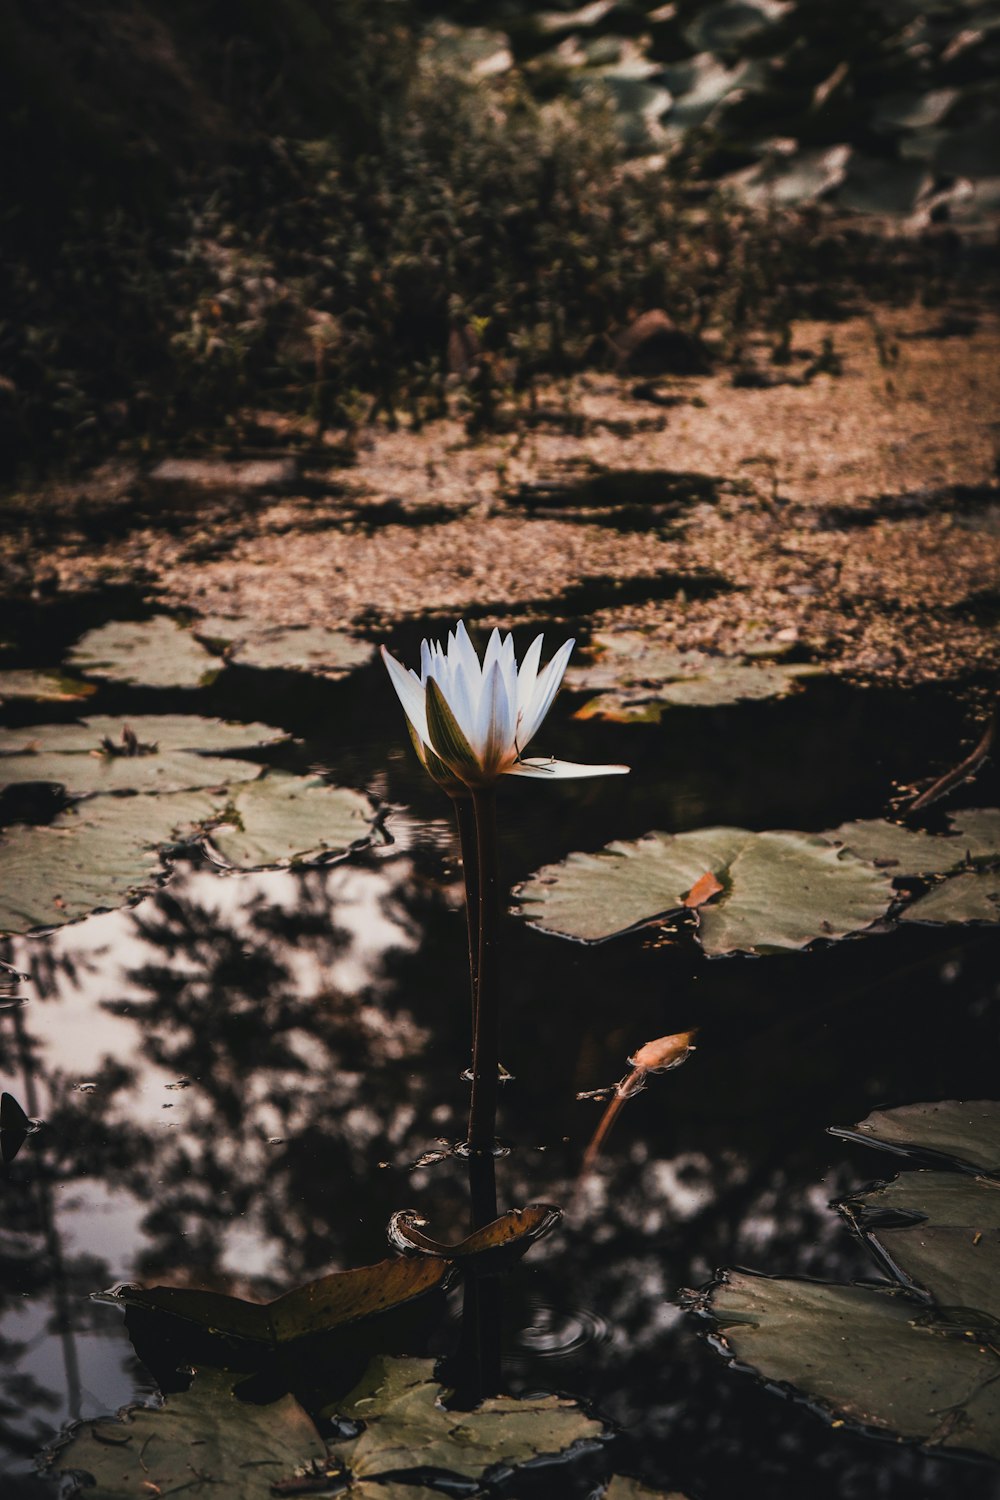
[
  {"x": 465, "y": 818},
  {"x": 631, "y": 1085},
  {"x": 486, "y": 1032}
]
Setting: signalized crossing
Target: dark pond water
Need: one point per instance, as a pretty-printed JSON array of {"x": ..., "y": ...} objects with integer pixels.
[{"x": 240, "y": 1077}]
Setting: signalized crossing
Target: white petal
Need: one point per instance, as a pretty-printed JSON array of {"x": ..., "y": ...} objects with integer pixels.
[
  {"x": 528, "y": 674},
  {"x": 410, "y": 693},
  {"x": 545, "y": 690},
  {"x": 461, "y": 701},
  {"x": 562, "y": 770},
  {"x": 465, "y": 653},
  {"x": 492, "y": 653},
  {"x": 426, "y": 661},
  {"x": 494, "y": 721},
  {"x": 508, "y": 666}
]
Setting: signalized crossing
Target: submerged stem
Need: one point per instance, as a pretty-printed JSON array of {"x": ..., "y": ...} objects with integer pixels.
[
  {"x": 486, "y": 1031},
  {"x": 465, "y": 818}
]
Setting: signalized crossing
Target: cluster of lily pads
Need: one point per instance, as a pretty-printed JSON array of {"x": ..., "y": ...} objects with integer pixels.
[
  {"x": 915, "y": 1355},
  {"x": 776, "y": 890},
  {"x": 392, "y": 1435},
  {"x": 143, "y": 788}
]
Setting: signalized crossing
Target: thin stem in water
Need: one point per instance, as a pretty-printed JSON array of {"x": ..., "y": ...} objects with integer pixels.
[
  {"x": 465, "y": 818},
  {"x": 486, "y": 1032}
]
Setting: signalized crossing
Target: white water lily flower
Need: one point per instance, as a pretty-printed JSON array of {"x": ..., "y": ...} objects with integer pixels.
[{"x": 470, "y": 722}]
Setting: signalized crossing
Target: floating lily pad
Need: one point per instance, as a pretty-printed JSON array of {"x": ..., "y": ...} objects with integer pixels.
[
  {"x": 919, "y": 1360},
  {"x": 42, "y": 687},
  {"x": 95, "y": 856},
  {"x": 904, "y": 851},
  {"x": 979, "y": 830},
  {"x": 152, "y": 653},
  {"x": 281, "y": 819},
  {"x": 780, "y": 890},
  {"x": 871, "y": 1356},
  {"x": 315, "y": 649},
  {"x": 644, "y": 677},
  {"x": 945, "y": 1239},
  {"x": 973, "y": 897},
  {"x": 946, "y": 1198},
  {"x": 90, "y": 756},
  {"x": 203, "y": 1438},
  {"x": 334, "y": 1301},
  {"x": 407, "y": 1427},
  {"x": 965, "y": 1132}
]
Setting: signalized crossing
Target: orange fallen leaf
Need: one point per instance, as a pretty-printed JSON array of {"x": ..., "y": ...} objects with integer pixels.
[{"x": 704, "y": 888}]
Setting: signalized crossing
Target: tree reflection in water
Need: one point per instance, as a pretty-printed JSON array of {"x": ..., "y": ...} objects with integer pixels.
[{"x": 266, "y": 1057}]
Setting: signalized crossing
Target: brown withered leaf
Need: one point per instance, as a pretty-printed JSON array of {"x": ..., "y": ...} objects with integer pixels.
[
  {"x": 704, "y": 888},
  {"x": 331, "y": 1302},
  {"x": 493, "y": 1248}
]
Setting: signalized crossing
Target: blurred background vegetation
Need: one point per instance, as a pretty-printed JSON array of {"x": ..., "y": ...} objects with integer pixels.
[{"x": 341, "y": 209}]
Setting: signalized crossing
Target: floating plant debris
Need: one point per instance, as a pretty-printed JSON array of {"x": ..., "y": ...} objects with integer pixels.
[{"x": 918, "y": 1359}]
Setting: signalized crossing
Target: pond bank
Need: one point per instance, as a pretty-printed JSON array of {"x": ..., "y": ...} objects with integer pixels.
[{"x": 852, "y": 517}]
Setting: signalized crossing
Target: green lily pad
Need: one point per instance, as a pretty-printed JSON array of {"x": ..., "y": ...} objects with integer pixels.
[
  {"x": 152, "y": 653},
  {"x": 42, "y": 687},
  {"x": 407, "y": 1427},
  {"x": 946, "y": 1238},
  {"x": 780, "y": 890},
  {"x": 200, "y": 1439},
  {"x": 169, "y": 754},
  {"x": 946, "y": 1198},
  {"x": 95, "y": 856},
  {"x": 919, "y": 1359},
  {"x": 281, "y": 819},
  {"x": 979, "y": 830},
  {"x": 314, "y": 649},
  {"x": 966, "y": 1132},
  {"x": 870, "y": 1356},
  {"x": 333, "y": 1301},
  {"x": 642, "y": 677},
  {"x": 903, "y": 850},
  {"x": 973, "y": 897}
]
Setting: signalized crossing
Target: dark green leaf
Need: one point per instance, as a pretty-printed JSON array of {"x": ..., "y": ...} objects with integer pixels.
[{"x": 203, "y": 1440}]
